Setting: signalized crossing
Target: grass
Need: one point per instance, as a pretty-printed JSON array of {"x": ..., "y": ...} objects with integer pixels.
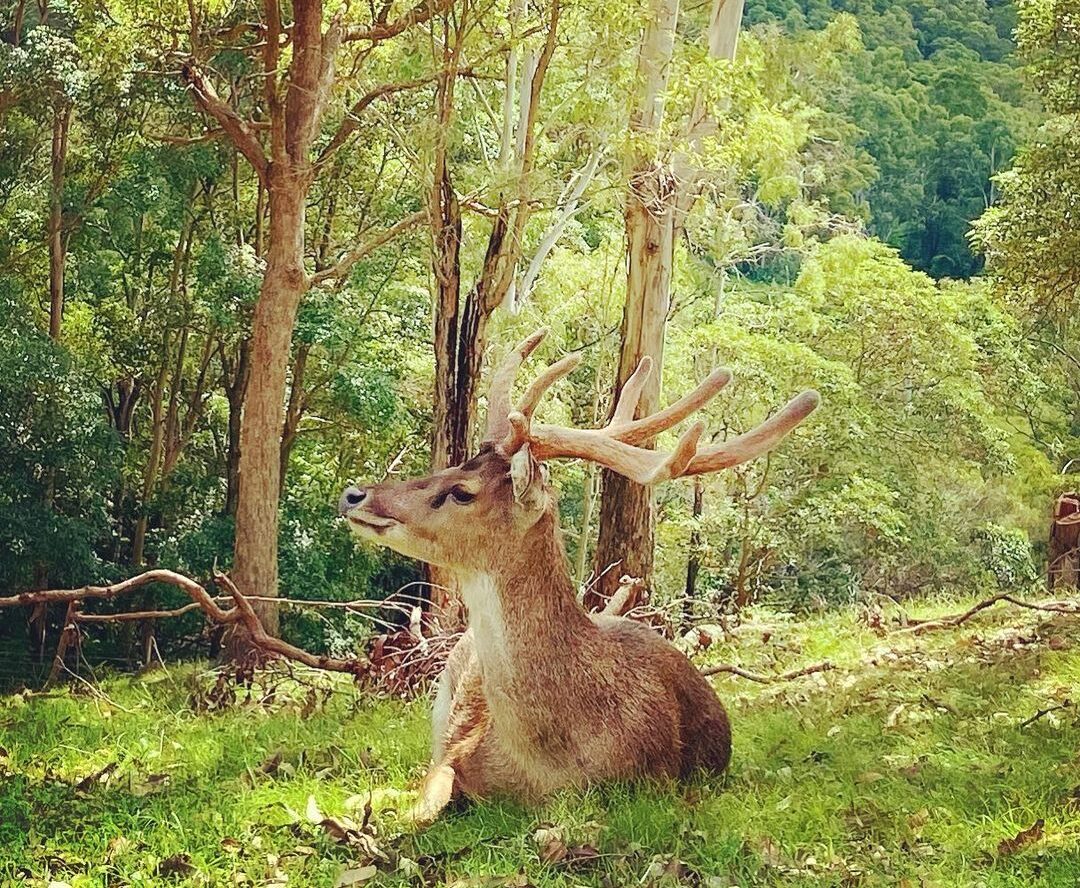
[{"x": 904, "y": 766}]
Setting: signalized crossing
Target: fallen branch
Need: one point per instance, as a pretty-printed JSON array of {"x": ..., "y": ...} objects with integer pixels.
[
  {"x": 728, "y": 668},
  {"x": 241, "y": 614},
  {"x": 1065, "y": 704},
  {"x": 1056, "y": 607}
]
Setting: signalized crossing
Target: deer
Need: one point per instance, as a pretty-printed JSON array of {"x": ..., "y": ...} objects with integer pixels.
[{"x": 538, "y": 695}]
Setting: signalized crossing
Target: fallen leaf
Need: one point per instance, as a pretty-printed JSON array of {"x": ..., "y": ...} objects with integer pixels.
[
  {"x": 581, "y": 855},
  {"x": 100, "y": 776},
  {"x": 152, "y": 784},
  {"x": 770, "y": 852},
  {"x": 553, "y": 851},
  {"x": 549, "y": 840},
  {"x": 894, "y": 716},
  {"x": 356, "y": 876},
  {"x": 118, "y": 845},
  {"x": 1022, "y": 839},
  {"x": 176, "y": 865},
  {"x": 312, "y": 812}
]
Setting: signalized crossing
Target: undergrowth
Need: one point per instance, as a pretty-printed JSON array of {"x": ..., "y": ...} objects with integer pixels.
[{"x": 909, "y": 764}]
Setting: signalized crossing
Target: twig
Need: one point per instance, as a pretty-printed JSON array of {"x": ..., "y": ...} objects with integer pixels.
[
  {"x": 1065, "y": 704},
  {"x": 1057, "y": 607},
  {"x": 729, "y": 668}
]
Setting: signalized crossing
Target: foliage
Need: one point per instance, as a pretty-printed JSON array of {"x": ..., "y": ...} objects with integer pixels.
[
  {"x": 58, "y": 459},
  {"x": 937, "y": 104},
  {"x": 1031, "y": 237},
  {"x": 839, "y": 129}
]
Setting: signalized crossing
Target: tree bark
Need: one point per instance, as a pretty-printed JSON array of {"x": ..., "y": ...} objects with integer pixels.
[
  {"x": 1063, "y": 565},
  {"x": 625, "y": 543},
  {"x": 236, "y": 379},
  {"x": 57, "y": 235},
  {"x": 284, "y": 284},
  {"x": 657, "y": 202}
]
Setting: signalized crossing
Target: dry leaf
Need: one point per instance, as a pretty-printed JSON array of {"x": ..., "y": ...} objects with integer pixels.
[
  {"x": 553, "y": 851},
  {"x": 581, "y": 855},
  {"x": 117, "y": 846},
  {"x": 356, "y": 876},
  {"x": 1022, "y": 839},
  {"x": 97, "y": 777},
  {"x": 176, "y": 865},
  {"x": 894, "y": 716},
  {"x": 770, "y": 852}
]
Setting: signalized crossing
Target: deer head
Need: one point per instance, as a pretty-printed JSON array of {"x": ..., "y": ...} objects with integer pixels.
[{"x": 440, "y": 519}]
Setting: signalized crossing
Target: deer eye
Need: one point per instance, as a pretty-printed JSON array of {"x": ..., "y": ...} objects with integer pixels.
[
  {"x": 457, "y": 493},
  {"x": 461, "y": 496}
]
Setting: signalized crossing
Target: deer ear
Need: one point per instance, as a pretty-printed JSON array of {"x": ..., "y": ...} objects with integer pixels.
[{"x": 528, "y": 477}]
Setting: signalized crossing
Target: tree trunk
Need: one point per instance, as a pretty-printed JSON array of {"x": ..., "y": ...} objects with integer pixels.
[
  {"x": 693, "y": 563},
  {"x": 658, "y": 200},
  {"x": 235, "y": 386},
  {"x": 625, "y": 544},
  {"x": 1063, "y": 568},
  {"x": 57, "y": 238},
  {"x": 294, "y": 411},
  {"x": 255, "y": 566}
]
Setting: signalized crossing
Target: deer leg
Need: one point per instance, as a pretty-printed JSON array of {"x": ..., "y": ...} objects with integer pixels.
[{"x": 436, "y": 793}]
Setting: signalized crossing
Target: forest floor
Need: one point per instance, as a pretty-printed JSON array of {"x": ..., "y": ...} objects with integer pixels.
[{"x": 909, "y": 764}]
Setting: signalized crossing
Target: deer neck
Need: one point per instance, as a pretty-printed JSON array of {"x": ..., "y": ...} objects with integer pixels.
[{"x": 523, "y": 612}]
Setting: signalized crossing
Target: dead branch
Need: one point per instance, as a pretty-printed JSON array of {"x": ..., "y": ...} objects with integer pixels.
[
  {"x": 728, "y": 668},
  {"x": 136, "y": 616},
  {"x": 385, "y": 30},
  {"x": 1056, "y": 607},
  {"x": 241, "y": 614},
  {"x": 259, "y": 637},
  {"x": 1064, "y": 704},
  {"x": 346, "y": 262}
]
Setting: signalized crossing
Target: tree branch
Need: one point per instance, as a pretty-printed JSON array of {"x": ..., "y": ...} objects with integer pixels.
[
  {"x": 241, "y": 613},
  {"x": 352, "y": 117},
  {"x": 382, "y": 30},
  {"x": 240, "y": 131},
  {"x": 342, "y": 267},
  {"x": 727, "y": 668},
  {"x": 1056, "y": 607}
]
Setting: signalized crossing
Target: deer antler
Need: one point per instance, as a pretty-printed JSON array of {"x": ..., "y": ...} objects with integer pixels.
[{"x": 616, "y": 445}]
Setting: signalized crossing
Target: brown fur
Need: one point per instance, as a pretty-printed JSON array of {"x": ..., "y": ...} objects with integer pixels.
[{"x": 538, "y": 695}]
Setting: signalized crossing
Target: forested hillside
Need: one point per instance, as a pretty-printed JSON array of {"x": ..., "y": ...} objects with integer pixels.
[
  {"x": 837, "y": 165},
  {"x": 939, "y": 105}
]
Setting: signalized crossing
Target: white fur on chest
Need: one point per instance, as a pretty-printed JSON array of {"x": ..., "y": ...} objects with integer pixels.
[{"x": 481, "y": 597}]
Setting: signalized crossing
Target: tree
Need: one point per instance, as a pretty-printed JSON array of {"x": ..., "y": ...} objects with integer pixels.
[
  {"x": 298, "y": 72},
  {"x": 659, "y": 195},
  {"x": 1031, "y": 238}
]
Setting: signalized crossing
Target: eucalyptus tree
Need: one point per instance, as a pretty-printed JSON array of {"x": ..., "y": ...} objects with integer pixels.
[{"x": 288, "y": 95}]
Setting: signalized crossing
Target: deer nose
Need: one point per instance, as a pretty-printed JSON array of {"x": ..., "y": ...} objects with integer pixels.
[{"x": 350, "y": 499}]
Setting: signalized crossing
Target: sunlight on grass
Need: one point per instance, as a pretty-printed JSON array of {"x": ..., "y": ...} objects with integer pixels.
[{"x": 906, "y": 765}]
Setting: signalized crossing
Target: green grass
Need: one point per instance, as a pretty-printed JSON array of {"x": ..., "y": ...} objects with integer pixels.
[{"x": 905, "y": 766}]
